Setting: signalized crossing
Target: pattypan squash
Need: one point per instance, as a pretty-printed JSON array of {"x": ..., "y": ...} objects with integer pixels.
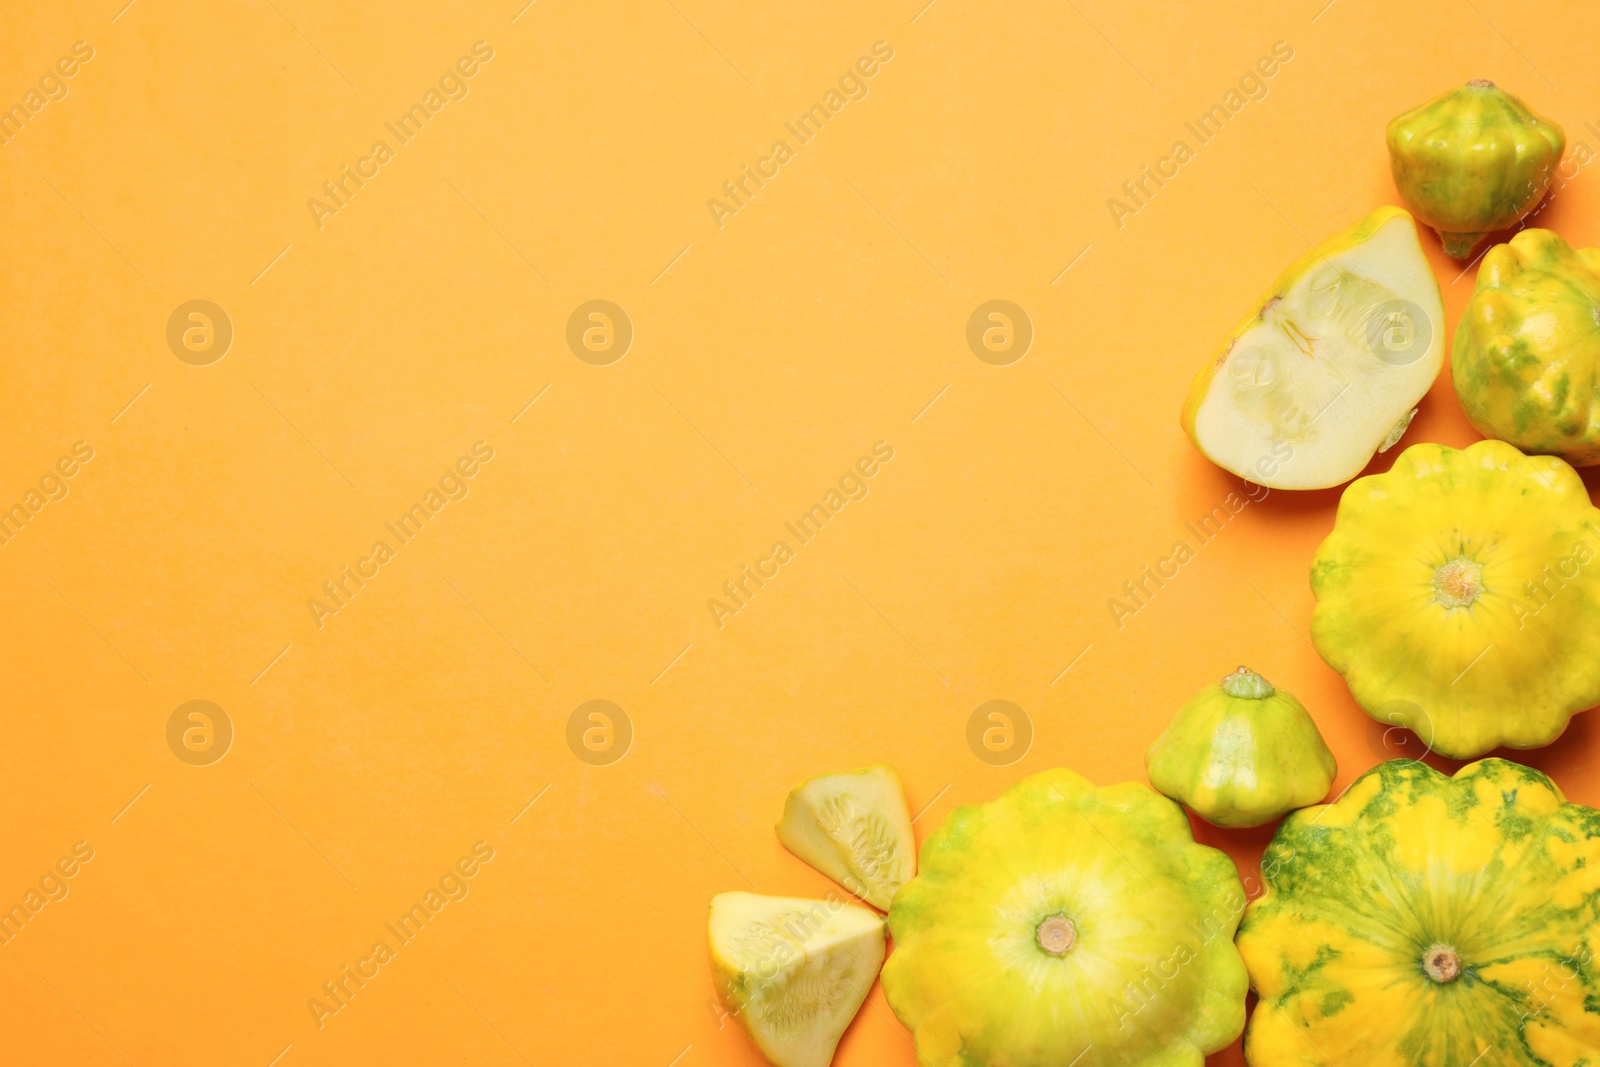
[
  {"x": 1459, "y": 595},
  {"x": 1472, "y": 161},
  {"x": 1066, "y": 924},
  {"x": 1242, "y": 753},
  {"x": 1429, "y": 921},
  {"x": 1526, "y": 361}
]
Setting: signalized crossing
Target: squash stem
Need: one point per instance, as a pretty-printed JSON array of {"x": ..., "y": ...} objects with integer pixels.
[
  {"x": 1442, "y": 964},
  {"x": 1457, "y": 583},
  {"x": 1246, "y": 684},
  {"x": 1056, "y": 935},
  {"x": 1460, "y": 245}
]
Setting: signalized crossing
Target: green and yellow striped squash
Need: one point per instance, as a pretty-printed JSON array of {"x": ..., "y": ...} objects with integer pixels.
[
  {"x": 1472, "y": 161},
  {"x": 1064, "y": 923},
  {"x": 1429, "y": 921},
  {"x": 1526, "y": 361}
]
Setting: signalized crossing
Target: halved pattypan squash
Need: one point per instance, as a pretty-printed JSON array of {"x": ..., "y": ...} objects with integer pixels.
[
  {"x": 1329, "y": 365},
  {"x": 1242, "y": 753},
  {"x": 1472, "y": 161},
  {"x": 1459, "y": 595},
  {"x": 1065, "y": 924},
  {"x": 1526, "y": 361},
  {"x": 1429, "y": 921}
]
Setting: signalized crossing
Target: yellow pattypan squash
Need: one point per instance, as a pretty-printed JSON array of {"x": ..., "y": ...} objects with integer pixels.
[
  {"x": 1526, "y": 361},
  {"x": 1459, "y": 595},
  {"x": 1429, "y": 921},
  {"x": 1065, "y": 924},
  {"x": 1472, "y": 161}
]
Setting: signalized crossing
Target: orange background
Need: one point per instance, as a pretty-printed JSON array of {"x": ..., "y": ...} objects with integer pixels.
[{"x": 370, "y": 754}]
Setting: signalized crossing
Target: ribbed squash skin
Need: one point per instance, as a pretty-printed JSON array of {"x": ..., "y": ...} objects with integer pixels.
[
  {"x": 1492, "y": 864},
  {"x": 1513, "y": 666},
  {"x": 1472, "y": 161},
  {"x": 1242, "y": 760},
  {"x": 1152, "y": 978},
  {"x": 1526, "y": 361}
]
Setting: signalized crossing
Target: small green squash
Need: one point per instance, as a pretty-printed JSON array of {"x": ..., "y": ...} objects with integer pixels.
[
  {"x": 1242, "y": 753},
  {"x": 1472, "y": 161}
]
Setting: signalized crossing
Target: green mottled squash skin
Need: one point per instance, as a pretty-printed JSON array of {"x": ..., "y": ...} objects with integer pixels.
[
  {"x": 1242, "y": 753},
  {"x": 1526, "y": 361},
  {"x": 1429, "y": 921},
  {"x": 1472, "y": 161}
]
